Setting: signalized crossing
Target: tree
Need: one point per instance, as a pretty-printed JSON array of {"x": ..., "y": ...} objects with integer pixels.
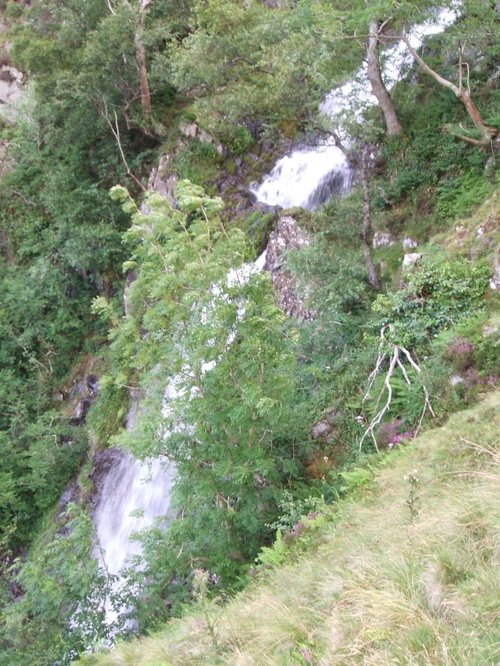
[
  {"x": 218, "y": 340},
  {"x": 255, "y": 62},
  {"x": 394, "y": 127},
  {"x": 367, "y": 233},
  {"x": 487, "y": 134},
  {"x": 140, "y": 54}
]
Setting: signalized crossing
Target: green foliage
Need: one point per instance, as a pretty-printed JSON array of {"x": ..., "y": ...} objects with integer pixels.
[
  {"x": 61, "y": 611},
  {"x": 198, "y": 162},
  {"x": 254, "y": 62},
  {"x": 293, "y": 508},
  {"x": 458, "y": 196},
  {"x": 275, "y": 555},
  {"x": 374, "y": 589},
  {"x": 249, "y": 384},
  {"x": 436, "y": 296},
  {"x": 355, "y": 478},
  {"x": 220, "y": 344},
  {"x": 238, "y": 139}
]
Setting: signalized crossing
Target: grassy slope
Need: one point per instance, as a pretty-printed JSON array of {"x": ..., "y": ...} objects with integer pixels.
[{"x": 380, "y": 586}]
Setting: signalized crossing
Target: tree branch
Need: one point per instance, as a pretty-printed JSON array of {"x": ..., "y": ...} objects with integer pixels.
[{"x": 115, "y": 130}]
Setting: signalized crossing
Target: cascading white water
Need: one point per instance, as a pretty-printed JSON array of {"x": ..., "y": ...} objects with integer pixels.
[
  {"x": 134, "y": 494},
  {"x": 308, "y": 177}
]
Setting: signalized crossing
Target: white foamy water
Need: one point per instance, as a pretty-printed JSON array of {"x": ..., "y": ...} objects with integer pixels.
[
  {"x": 308, "y": 177},
  {"x": 356, "y": 95},
  {"x": 134, "y": 494}
]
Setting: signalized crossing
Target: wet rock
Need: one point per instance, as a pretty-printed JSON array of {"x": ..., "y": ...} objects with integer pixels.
[
  {"x": 286, "y": 237},
  {"x": 11, "y": 81},
  {"x": 495, "y": 278},
  {"x": 193, "y": 131},
  {"x": 83, "y": 395},
  {"x": 103, "y": 463},
  {"x": 72, "y": 495},
  {"x": 326, "y": 429},
  {"x": 162, "y": 180},
  {"x": 189, "y": 130}
]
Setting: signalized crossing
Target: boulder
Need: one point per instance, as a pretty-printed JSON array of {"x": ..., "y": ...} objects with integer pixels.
[
  {"x": 382, "y": 239},
  {"x": 409, "y": 243},
  {"x": 495, "y": 278},
  {"x": 411, "y": 259}
]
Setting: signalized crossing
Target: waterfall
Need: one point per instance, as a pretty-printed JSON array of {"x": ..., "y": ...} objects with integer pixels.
[
  {"x": 309, "y": 177},
  {"x": 134, "y": 494}
]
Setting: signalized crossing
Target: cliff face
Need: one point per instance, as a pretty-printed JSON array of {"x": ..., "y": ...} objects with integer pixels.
[{"x": 286, "y": 237}]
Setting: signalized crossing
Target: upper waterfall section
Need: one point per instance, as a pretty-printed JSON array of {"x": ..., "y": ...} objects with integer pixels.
[{"x": 309, "y": 176}]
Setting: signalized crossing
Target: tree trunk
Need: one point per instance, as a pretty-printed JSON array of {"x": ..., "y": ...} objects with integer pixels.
[
  {"x": 367, "y": 221},
  {"x": 140, "y": 54},
  {"x": 394, "y": 127}
]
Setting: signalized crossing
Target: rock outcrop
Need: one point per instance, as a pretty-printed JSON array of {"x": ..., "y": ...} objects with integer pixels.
[{"x": 286, "y": 237}]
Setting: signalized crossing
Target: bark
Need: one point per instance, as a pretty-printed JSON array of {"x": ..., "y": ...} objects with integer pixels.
[
  {"x": 367, "y": 233},
  {"x": 140, "y": 54},
  {"x": 394, "y": 127},
  {"x": 488, "y": 133}
]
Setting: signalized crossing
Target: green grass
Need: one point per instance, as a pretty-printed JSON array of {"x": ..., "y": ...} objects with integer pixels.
[{"x": 404, "y": 573}]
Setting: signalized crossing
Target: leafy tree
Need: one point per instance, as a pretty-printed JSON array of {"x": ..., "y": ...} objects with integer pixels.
[
  {"x": 218, "y": 341},
  {"x": 247, "y": 61}
]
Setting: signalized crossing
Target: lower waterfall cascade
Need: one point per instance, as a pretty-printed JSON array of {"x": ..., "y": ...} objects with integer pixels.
[{"x": 135, "y": 494}]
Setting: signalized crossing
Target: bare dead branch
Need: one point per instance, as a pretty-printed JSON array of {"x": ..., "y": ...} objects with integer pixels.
[
  {"x": 114, "y": 126},
  {"x": 398, "y": 354}
]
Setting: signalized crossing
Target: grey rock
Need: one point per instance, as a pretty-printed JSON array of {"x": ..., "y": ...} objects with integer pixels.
[
  {"x": 189, "y": 130},
  {"x": 495, "y": 278},
  {"x": 286, "y": 237},
  {"x": 409, "y": 243},
  {"x": 411, "y": 259}
]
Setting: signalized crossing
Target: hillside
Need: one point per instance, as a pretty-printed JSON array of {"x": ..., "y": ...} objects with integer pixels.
[
  {"x": 403, "y": 571},
  {"x": 249, "y": 252}
]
